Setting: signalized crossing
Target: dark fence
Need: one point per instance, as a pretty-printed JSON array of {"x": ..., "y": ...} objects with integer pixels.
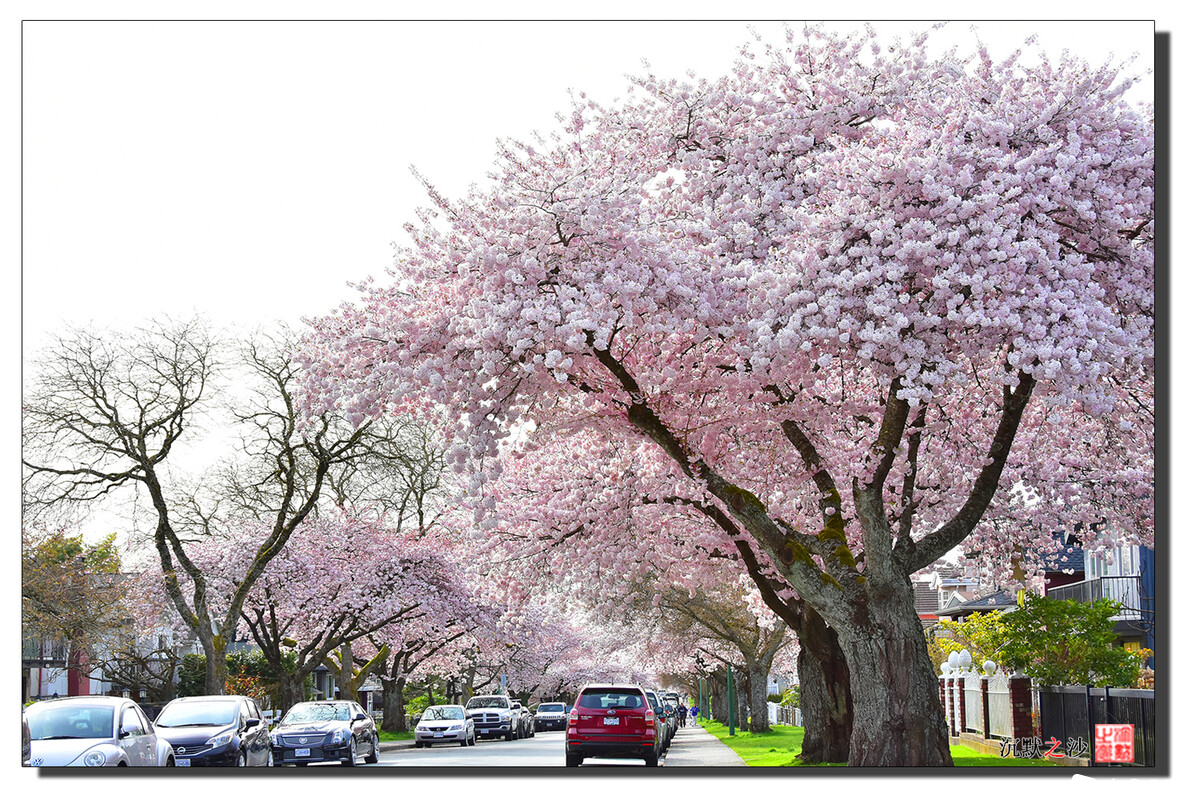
[{"x": 1070, "y": 714}]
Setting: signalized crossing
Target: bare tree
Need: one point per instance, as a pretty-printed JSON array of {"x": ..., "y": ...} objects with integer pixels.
[{"x": 106, "y": 412}]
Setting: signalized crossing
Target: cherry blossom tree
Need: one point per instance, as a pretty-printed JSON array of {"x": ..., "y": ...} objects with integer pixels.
[
  {"x": 856, "y": 295},
  {"x": 339, "y": 579}
]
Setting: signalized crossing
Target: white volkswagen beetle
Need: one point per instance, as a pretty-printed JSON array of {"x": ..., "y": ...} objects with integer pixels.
[{"x": 94, "y": 731}]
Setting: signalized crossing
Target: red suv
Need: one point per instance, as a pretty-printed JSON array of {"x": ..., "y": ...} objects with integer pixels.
[{"x": 610, "y": 721}]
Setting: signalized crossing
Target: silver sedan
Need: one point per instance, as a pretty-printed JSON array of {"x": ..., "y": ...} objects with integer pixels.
[
  {"x": 445, "y": 724},
  {"x": 94, "y": 731}
]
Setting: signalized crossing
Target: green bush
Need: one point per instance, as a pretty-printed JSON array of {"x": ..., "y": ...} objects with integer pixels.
[
  {"x": 417, "y": 705},
  {"x": 1064, "y": 642},
  {"x": 191, "y": 675}
]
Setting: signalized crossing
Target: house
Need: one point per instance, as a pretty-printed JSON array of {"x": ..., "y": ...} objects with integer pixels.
[
  {"x": 941, "y": 585},
  {"x": 1124, "y": 574}
]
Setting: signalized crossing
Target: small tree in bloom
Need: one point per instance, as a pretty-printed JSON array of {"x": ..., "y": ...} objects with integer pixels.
[
  {"x": 854, "y": 295},
  {"x": 338, "y": 580}
]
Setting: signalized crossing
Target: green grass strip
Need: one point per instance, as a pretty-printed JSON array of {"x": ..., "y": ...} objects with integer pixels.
[{"x": 781, "y": 745}]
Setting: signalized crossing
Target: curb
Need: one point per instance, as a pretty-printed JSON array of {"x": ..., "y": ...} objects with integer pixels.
[{"x": 391, "y": 747}]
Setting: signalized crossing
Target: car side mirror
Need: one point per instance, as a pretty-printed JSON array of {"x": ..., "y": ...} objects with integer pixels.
[
  {"x": 253, "y": 723},
  {"x": 358, "y": 717},
  {"x": 129, "y": 729}
]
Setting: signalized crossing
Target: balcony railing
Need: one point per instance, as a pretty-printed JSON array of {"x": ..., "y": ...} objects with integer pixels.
[
  {"x": 1127, "y": 590},
  {"x": 47, "y": 651}
]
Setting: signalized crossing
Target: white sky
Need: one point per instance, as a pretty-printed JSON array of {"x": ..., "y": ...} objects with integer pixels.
[{"x": 247, "y": 171}]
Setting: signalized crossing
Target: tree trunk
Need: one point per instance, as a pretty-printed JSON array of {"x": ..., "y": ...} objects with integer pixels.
[
  {"x": 468, "y": 685},
  {"x": 742, "y": 706},
  {"x": 216, "y": 671},
  {"x": 394, "y": 717},
  {"x": 291, "y": 690},
  {"x": 759, "y": 713},
  {"x": 824, "y": 696},
  {"x": 897, "y": 716},
  {"x": 720, "y": 700}
]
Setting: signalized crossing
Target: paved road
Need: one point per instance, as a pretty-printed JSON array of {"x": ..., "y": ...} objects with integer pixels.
[{"x": 691, "y": 747}]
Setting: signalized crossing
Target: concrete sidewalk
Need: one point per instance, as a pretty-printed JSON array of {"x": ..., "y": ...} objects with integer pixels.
[{"x": 695, "y": 747}]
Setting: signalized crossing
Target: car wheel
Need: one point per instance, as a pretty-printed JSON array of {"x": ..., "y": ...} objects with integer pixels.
[
  {"x": 373, "y": 758},
  {"x": 474, "y": 740},
  {"x": 509, "y": 737},
  {"x": 170, "y": 761},
  {"x": 352, "y": 761},
  {"x": 651, "y": 760},
  {"x": 241, "y": 758},
  {"x": 573, "y": 760},
  {"x": 464, "y": 742}
]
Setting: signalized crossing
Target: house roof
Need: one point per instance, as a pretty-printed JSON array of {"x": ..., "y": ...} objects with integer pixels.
[
  {"x": 1069, "y": 555},
  {"x": 991, "y": 602},
  {"x": 926, "y": 598}
]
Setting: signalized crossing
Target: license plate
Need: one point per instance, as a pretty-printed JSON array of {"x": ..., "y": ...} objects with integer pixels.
[
  {"x": 611, "y": 720},
  {"x": 303, "y": 751},
  {"x": 183, "y": 762},
  {"x": 438, "y": 735},
  {"x": 485, "y": 730}
]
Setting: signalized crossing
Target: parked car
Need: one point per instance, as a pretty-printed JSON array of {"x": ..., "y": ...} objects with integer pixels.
[
  {"x": 550, "y": 717},
  {"x": 325, "y": 730},
  {"x": 215, "y": 731},
  {"x": 525, "y": 728},
  {"x": 445, "y": 724},
  {"x": 613, "y": 721},
  {"x": 664, "y": 720},
  {"x": 26, "y": 753},
  {"x": 94, "y": 731},
  {"x": 494, "y": 716}
]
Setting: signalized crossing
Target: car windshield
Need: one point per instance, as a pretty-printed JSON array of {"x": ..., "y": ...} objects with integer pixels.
[
  {"x": 610, "y": 698},
  {"x": 443, "y": 712},
  {"x": 195, "y": 713},
  {"x": 487, "y": 702},
  {"x": 317, "y": 712},
  {"x": 69, "y": 721},
  {"x": 552, "y": 708}
]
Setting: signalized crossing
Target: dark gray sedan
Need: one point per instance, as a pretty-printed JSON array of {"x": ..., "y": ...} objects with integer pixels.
[{"x": 325, "y": 730}]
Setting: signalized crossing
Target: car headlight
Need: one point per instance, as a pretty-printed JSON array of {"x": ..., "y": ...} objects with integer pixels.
[
  {"x": 340, "y": 737},
  {"x": 94, "y": 759},
  {"x": 505, "y": 714},
  {"x": 422, "y": 727},
  {"x": 221, "y": 739},
  {"x": 274, "y": 738},
  {"x": 455, "y": 726}
]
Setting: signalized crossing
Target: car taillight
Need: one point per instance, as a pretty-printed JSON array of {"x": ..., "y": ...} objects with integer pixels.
[
  {"x": 649, "y": 718},
  {"x": 574, "y": 716}
]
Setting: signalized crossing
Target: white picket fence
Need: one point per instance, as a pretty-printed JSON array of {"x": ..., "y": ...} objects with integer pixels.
[{"x": 784, "y": 715}]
